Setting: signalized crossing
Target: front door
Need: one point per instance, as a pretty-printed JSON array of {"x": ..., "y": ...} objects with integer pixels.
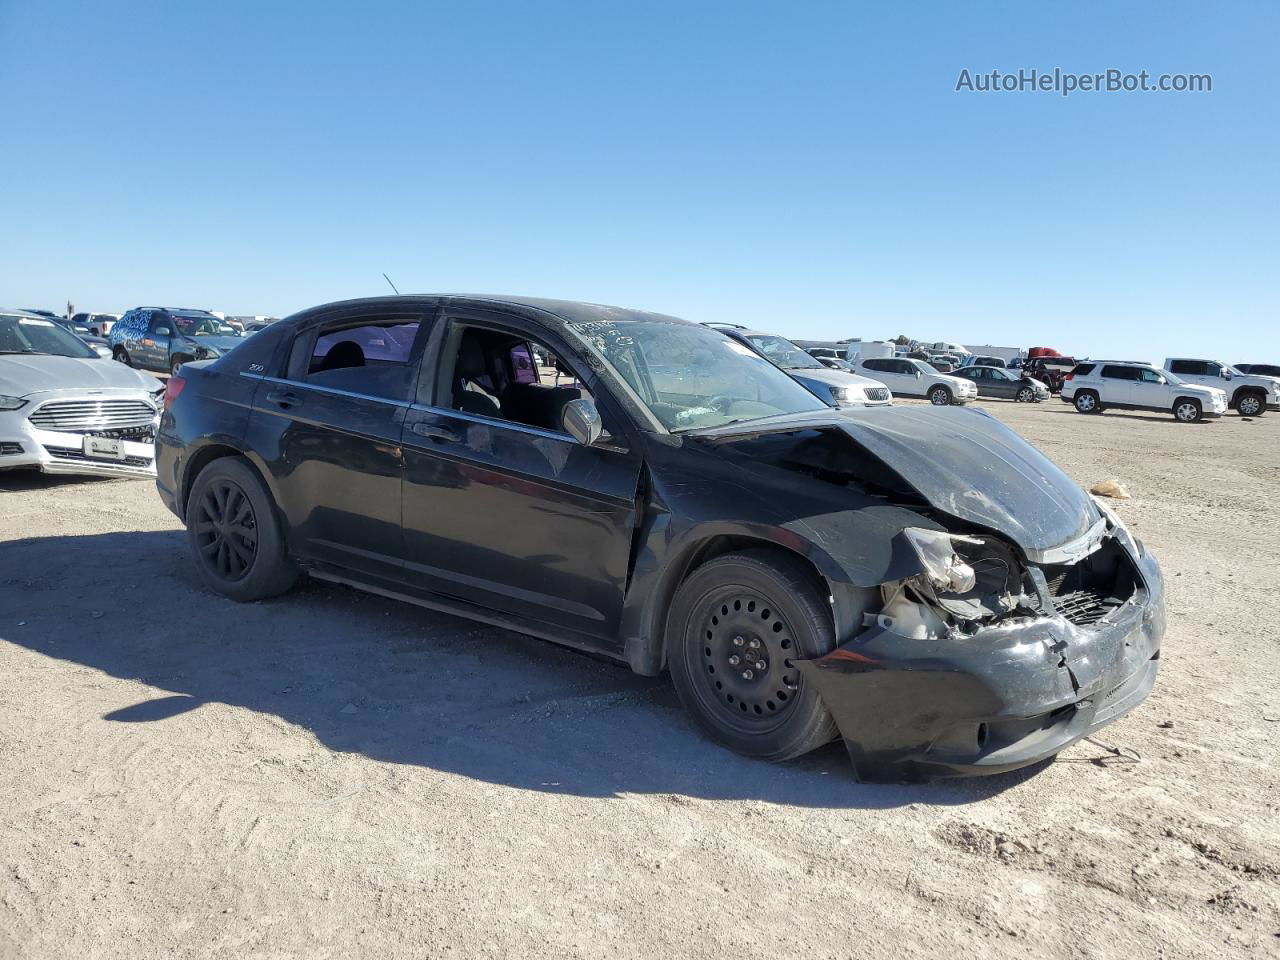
[
  {"x": 502, "y": 508},
  {"x": 155, "y": 346}
]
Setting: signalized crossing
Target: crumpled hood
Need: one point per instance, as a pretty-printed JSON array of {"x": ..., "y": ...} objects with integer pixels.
[
  {"x": 963, "y": 462},
  {"x": 23, "y": 375}
]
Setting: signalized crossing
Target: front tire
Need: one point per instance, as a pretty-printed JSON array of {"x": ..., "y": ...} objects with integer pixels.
[
  {"x": 1251, "y": 405},
  {"x": 1187, "y": 410},
  {"x": 735, "y": 628},
  {"x": 234, "y": 532},
  {"x": 940, "y": 397},
  {"x": 122, "y": 356},
  {"x": 1026, "y": 395}
]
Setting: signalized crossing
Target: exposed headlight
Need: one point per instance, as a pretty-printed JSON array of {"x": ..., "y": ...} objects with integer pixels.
[
  {"x": 936, "y": 550},
  {"x": 850, "y": 395},
  {"x": 11, "y": 403}
]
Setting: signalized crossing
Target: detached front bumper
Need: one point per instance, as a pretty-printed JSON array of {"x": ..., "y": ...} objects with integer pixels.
[{"x": 1008, "y": 697}]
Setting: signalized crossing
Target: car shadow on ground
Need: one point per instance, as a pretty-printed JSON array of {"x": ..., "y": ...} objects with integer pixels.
[{"x": 397, "y": 683}]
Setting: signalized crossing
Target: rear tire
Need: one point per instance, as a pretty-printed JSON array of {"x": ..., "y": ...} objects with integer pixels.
[
  {"x": 940, "y": 396},
  {"x": 234, "y": 531},
  {"x": 1086, "y": 401},
  {"x": 1251, "y": 405},
  {"x": 1187, "y": 410},
  {"x": 735, "y": 625}
]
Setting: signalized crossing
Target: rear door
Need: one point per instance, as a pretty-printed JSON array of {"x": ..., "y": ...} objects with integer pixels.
[
  {"x": 1118, "y": 385},
  {"x": 502, "y": 508},
  {"x": 329, "y": 429}
]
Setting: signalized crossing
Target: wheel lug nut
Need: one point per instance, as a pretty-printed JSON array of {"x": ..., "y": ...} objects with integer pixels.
[
  {"x": 754, "y": 644},
  {"x": 738, "y": 641},
  {"x": 735, "y": 660},
  {"x": 747, "y": 674},
  {"x": 762, "y": 665}
]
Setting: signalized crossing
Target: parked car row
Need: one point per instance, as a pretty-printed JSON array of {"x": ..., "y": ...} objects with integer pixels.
[{"x": 65, "y": 409}]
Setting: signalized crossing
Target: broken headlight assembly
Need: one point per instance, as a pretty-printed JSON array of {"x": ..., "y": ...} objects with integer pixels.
[
  {"x": 965, "y": 582},
  {"x": 1120, "y": 531}
]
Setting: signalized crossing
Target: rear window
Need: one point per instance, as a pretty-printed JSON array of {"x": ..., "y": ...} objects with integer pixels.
[{"x": 1083, "y": 369}]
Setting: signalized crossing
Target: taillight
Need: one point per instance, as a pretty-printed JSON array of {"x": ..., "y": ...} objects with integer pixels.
[
  {"x": 1068, "y": 376},
  {"x": 172, "y": 388}
]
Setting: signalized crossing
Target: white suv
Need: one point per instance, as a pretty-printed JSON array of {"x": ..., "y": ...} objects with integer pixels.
[
  {"x": 915, "y": 378},
  {"x": 1095, "y": 385},
  {"x": 1252, "y": 395}
]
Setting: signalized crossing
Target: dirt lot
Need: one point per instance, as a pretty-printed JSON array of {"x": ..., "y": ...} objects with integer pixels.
[{"x": 332, "y": 773}]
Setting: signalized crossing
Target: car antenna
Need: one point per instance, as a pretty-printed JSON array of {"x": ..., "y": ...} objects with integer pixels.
[{"x": 393, "y": 286}]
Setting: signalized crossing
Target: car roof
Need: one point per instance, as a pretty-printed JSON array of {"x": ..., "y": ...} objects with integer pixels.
[
  {"x": 744, "y": 331},
  {"x": 572, "y": 312}
]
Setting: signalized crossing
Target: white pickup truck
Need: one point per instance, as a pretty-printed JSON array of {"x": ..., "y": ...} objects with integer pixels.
[{"x": 1249, "y": 395}]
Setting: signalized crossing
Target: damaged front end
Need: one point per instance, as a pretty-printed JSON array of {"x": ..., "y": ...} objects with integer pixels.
[
  {"x": 988, "y": 611},
  {"x": 992, "y": 657}
]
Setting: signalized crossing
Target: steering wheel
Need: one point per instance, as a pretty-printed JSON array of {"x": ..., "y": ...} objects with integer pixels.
[{"x": 722, "y": 403}]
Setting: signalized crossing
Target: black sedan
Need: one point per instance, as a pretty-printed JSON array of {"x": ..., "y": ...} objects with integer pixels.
[
  {"x": 918, "y": 581},
  {"x": 1004, "y": 384}
]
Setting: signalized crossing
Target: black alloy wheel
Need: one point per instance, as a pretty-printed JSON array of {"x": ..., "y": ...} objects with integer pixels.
[{"x": 225, "y": 530}]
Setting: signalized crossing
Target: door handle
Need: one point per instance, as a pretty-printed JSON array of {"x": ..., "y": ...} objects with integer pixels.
[
  {"x": 445, "y": 434},
  {"x": 283, "y": 398}
]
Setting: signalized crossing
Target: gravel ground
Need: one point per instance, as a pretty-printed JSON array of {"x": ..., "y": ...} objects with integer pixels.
[{"x": 331, "y": 773}]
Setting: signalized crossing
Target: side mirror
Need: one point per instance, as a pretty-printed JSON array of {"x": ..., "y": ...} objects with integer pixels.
[
  {"x": 163, "y": 331},
  {"x": 1227, "y": 374},
  {"x": 581, "y": 420},
  {"x": 919, "y": 374}
]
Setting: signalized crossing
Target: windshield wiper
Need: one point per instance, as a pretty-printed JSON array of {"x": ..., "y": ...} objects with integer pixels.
[{"x": 40, "y": 352}]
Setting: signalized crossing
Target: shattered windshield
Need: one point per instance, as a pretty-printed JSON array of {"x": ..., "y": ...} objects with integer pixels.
[
  {"x": 40, "y": 336},
  {"x": 690, "y": 376}
]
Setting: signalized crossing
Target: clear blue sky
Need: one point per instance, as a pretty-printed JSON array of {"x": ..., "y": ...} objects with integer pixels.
[{"x": 808, "y": 168}]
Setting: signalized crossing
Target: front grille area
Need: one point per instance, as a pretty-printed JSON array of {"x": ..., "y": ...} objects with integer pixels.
[
  {"x": 10, "y": 449},
  {"x": 77, "y": 456},
  {"x": 877, "y": 394},
  {"x": 1085, "y": 592},
  {"x": 1082, "y": 607},
  {"x": 92, "y": 416}
]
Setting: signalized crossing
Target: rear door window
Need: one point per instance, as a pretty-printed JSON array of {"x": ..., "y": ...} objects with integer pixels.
[
  {"x": 1120, "y": 373},
  {"x": 376, "y": 358},
  {"x": 1083, "y": 369}
]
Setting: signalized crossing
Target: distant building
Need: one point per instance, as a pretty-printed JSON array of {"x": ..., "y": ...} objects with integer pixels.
[{"x": 1004, "y": 353}]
